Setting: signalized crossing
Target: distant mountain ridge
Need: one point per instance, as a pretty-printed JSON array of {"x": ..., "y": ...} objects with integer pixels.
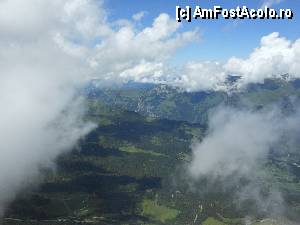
[{"x": 163, "y": 101}]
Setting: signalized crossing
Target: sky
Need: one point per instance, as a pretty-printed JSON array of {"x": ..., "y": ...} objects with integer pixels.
[{"x": 220, "y": 39}]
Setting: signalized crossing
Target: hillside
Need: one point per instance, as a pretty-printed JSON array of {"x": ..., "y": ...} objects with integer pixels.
[
  {"x": 131, "y": 169},
  {"x": 162, "y": 101}
]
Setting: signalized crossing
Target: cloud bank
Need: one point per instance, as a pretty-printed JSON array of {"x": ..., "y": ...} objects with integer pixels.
[
  {"x": 276, "y": 56},
  {"x": 235, "y": 151},
  {"x": 48, "y": 50},
  {"x": 40, "y": 116},
  {"x": 119, "y": 51},
  {"x": 234, "y": 142}
]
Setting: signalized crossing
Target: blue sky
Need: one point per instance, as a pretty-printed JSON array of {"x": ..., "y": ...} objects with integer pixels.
[{"x": 220, "y": 39}]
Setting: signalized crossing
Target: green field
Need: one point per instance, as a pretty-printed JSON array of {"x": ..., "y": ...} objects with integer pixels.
[{"x": 161, "y": 213}]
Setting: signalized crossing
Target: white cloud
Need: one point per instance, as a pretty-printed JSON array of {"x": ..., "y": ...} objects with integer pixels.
[
  {"x": 201, "y": 76},
  {"x": 40, "y": 116},
  {"x": 144, "y": 72},
  {"x": 270, "y": 3},
  {"x": 48, "y": 49},
  {"x": 127, "y": 48},
  {"x": 274, "y": 57},
  {"x": 138, "y": 16},
  {"x": 234, "y": 143},
  {"x": 235, "y": 151}
]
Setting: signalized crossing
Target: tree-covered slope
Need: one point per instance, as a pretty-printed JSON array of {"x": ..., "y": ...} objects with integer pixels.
[{"x": 131, "y": 170}]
